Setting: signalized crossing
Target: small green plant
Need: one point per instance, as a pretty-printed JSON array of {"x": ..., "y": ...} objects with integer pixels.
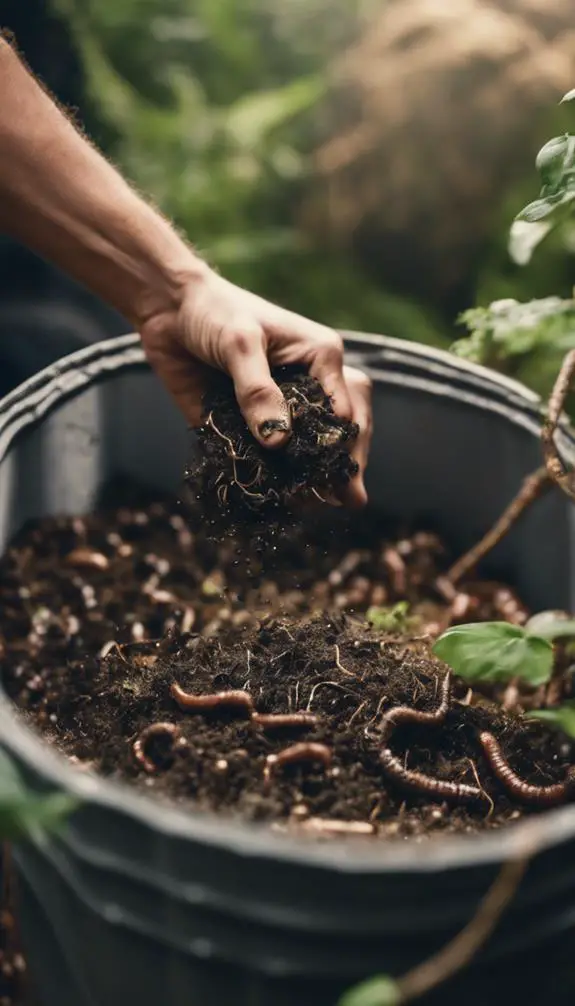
[
  {"x": 508, "y": 331},
  {"x": 500, "y": 652},
  {"x": 556, "y": 166},
  {"x": 379, "y": 991},
  {"x": 496, "y": 651},
  {"x": 393, "y": 619},
  {"x": 562, "y": 717},
  {"x": 23, "y": 811},
  {"x": 528, "y": 340}
]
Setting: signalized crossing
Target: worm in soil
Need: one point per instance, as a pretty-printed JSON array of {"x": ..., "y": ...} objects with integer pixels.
[
  {"x": 296, "y": 754},
  {"x": 524, "y": 792},
  {"x": 396, "y": 569},
  {"x": 154, "y": 730},
  {"x": 439, "y": 789},
  {"x": 88, "y": 558},
  {"x": 405, "y": 714},
  {"x": 280, "y": 721},
  {"x": 215, "y": 700}
]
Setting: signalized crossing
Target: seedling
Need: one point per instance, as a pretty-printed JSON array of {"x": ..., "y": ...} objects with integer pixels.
[
  {"x": 556, "y": 165},
  {"x": 497, "y": 652}
]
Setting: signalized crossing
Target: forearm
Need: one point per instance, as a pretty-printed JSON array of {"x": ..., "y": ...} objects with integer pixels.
[{"x": 61, "y": 197}]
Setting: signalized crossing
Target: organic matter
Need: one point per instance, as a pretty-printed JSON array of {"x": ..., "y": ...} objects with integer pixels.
[
  {"x": 213, "y": 678},
  {"x": 239, "y": 483}
]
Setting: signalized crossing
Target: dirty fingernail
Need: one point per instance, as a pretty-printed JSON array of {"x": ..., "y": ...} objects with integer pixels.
[{"x": 271, "y": 426}]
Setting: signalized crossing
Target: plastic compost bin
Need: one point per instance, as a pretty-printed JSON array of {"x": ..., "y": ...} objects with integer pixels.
[{"x": 141, "y": 903}]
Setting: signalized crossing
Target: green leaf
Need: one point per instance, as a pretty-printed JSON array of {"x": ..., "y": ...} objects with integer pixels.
[
  {"x": 568, "y": 97},
  {"x": 22, "y": 810},
  {"x": 22, "y": 817},
  {"x": 563, "y": 717},
  {"x": 550, "y": 625},
  {"x": 253, "y": 117},
  {"x": 393, "y": 619},
  {"x": 495, "y": 651},
  {"x": 379, "y": 991},
  {"x": 551, "y": 161},
  {"x": 524, "y": 237}
]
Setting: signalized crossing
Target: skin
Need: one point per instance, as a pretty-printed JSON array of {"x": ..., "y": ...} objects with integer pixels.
[{"x": 61, "y": 197}]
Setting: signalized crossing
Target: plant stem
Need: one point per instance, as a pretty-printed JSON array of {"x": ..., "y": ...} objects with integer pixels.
[
  {"x": 456, "y": 954},
  {"x": 532, "y": 487},
  {"x": 553, "y": 463}
]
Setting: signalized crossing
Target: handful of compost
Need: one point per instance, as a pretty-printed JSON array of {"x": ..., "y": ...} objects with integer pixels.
[{"x": 234, "y": 475}]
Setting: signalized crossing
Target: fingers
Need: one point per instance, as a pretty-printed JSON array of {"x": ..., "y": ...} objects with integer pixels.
[
  {"x": 259, "y": 398},
  {"x": 326, "y": 365},
  {"x": 321, "y": 348},
  {"x": 359, "y": 390}
]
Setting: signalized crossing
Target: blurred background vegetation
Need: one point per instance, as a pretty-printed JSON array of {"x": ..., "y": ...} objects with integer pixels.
[{"x": 357, "y": 160}]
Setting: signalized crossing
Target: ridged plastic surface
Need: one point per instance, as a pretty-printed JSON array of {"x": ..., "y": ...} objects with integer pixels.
[{"x": 140, "y": 903}]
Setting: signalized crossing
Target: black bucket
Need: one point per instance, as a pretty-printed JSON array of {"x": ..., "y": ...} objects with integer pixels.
[{"x": 138, "y": 903}]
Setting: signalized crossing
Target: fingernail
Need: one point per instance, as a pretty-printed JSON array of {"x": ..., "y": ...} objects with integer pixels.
[{"x": 271, "y": 426}]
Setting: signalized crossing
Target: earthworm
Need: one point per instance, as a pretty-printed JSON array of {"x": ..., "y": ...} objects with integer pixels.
[
  {"x": 524, "y": 792},
  {"x": 215, "y": 700},
  {"x": 397, "y": 570},
  {"x": 458, "y": 792},
  {"x": 154, "y": 730},
  {"x": 87, "y": 557},
  {"x": 303, "y": 752},
  {"x": 277, "y": 721},
  {"x": 405, "y": 714}
]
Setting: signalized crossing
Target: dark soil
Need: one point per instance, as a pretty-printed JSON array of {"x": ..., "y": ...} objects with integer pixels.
[
  {"x": 237, "y": 480},
  {"x": 72, "y": 588}
]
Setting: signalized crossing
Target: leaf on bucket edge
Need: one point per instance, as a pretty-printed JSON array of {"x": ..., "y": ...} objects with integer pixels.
[
  {"x": 379, "y": 991},
  {"x": 495, "y": 651},
  {"x": 563, "y": 717}
]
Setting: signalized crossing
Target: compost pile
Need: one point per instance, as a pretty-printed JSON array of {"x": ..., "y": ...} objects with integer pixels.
[
  {"x": 174, "y": 622},
  {"x": 239, "y": 487}
]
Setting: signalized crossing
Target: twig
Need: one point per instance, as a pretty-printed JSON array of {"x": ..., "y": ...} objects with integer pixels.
[
  {"x": 553, "y": 463},
  {"x": 315, "y": 493},
  {"x": 234, "y": 456},
  {"x": 333, "y": 826},
  {"x": 456, "y": 954},
  {"x": 532, "y": 487},
  {"x": 340, "y": 666},
  {"x": 323, "y": 684}
]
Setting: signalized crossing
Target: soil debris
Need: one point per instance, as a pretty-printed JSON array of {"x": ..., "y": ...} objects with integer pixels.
[
  {"x": 241, "y": 484},
  {"x": 121, "y": 679}
]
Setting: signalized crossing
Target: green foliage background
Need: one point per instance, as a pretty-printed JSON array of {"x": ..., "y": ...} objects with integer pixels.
[{"x": 211, "y": 106}]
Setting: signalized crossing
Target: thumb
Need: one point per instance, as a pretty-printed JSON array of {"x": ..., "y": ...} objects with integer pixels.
[{"x": 262, "y": 404}]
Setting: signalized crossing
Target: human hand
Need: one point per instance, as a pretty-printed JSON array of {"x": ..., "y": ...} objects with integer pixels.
[{"x": 221, "y": 325}]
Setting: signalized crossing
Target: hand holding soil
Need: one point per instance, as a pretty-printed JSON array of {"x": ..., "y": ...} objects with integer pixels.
[
  {"x": 241, "y": 485},
  {"x": 220, "y": 326}
]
